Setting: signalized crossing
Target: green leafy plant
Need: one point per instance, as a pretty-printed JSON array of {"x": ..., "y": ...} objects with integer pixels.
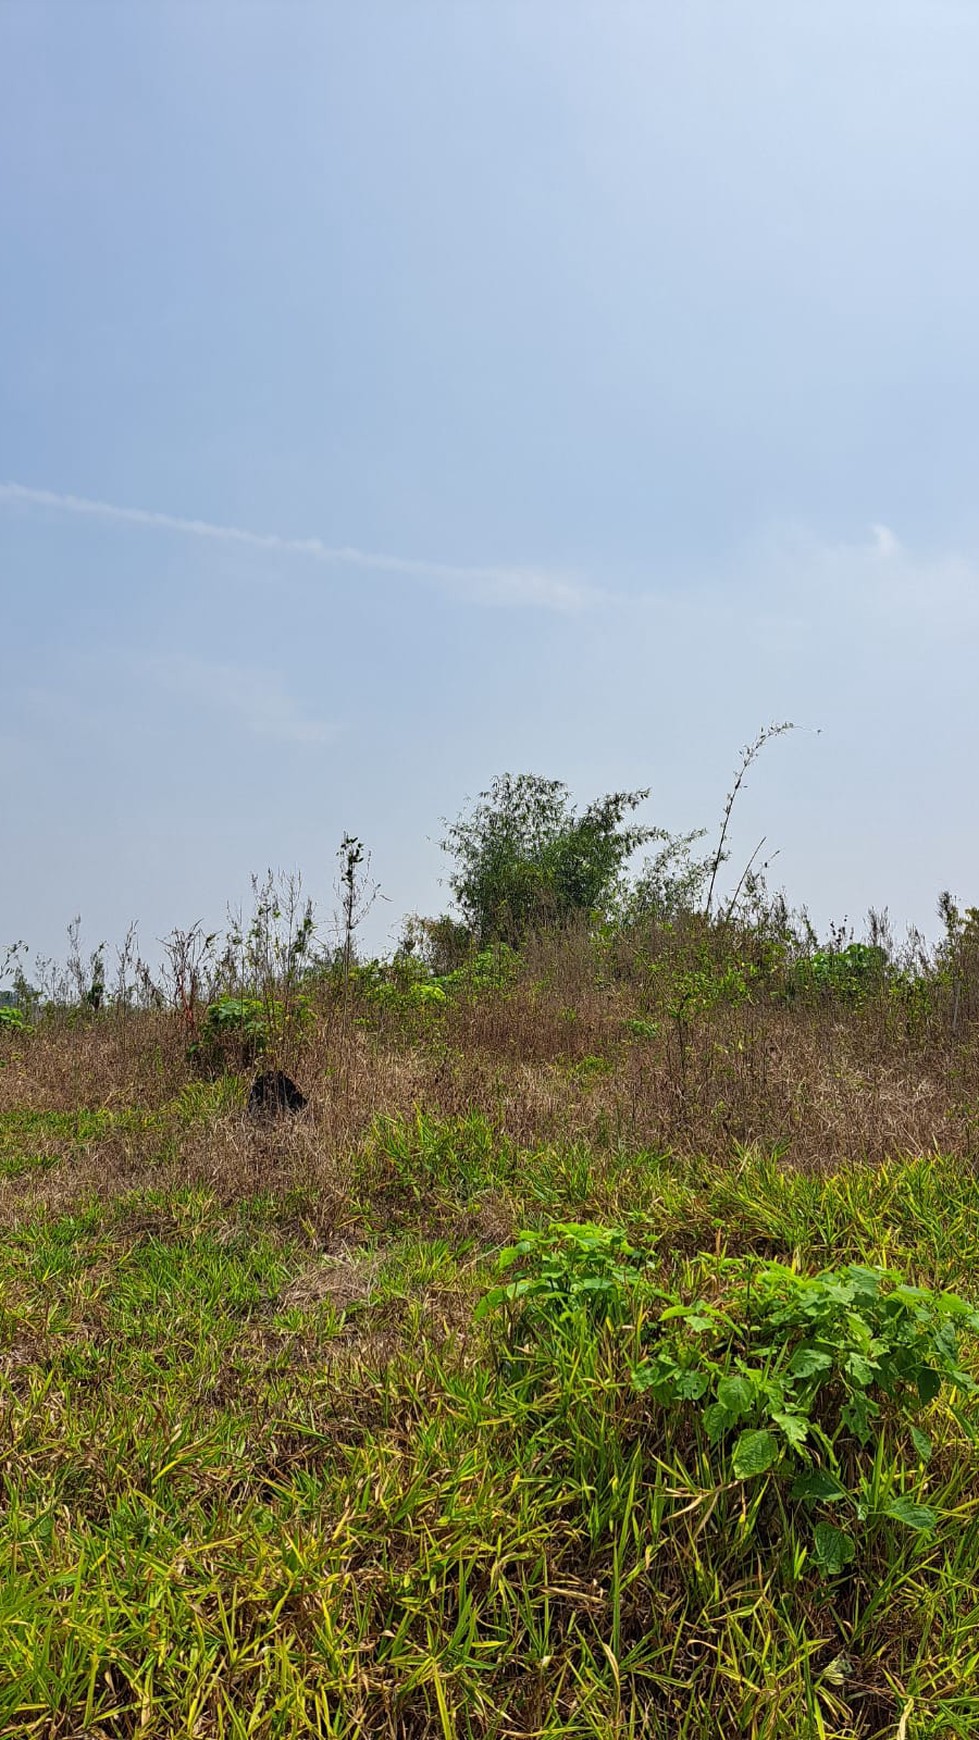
[
  {"x": 489, "y": 969},
  {"x": 848, "y": 974},
  {"x": 243, "y": 1016},
  {"x": 527, "y": 860},
  {"x": 234, "y": 1030},
  {"x": 814, "y": 1360},
  {"x": 568, "y": 1267},
  {"x": 402, "y": 992},
  {"x": 792, "y": 1376}
]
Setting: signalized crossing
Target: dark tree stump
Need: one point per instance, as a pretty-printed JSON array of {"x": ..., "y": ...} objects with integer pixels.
[{"x": 274, "y": 1094}]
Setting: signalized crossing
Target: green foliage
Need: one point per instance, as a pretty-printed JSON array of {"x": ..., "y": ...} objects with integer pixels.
[
  {"x": 568, "y": 1267},
  {"x": 408, "y": 987},
  {"x": 801, "y": 1377},
  {"x": 817, "y": 1357},
  {"x": 13, "y": 1020},
  {"x": 848, "y": 974},
  {"x": 405, "y": 987},
  {"x": 699, "y": 989},
  {"x": 236, "y": 1031},
  {"x": 489, "y": 969},
  {"x": 237, "y": 1024},
  {"x": 590, "y": 1068},
  {"x": 443, "y": 944},
  {"x": 671, "y": 884},
  {"x": 526, "y": 859},
  {"x": 426, "y": 996}
]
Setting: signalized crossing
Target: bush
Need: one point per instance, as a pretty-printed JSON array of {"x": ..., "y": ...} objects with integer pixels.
[
  {"x": 848, "y": 974},
  {"x": 236, "y": 1031},
  {"x": 803, "y": 1379},
  {"x": 491, "y": 969},
  {"x": 527, "y": 860}
]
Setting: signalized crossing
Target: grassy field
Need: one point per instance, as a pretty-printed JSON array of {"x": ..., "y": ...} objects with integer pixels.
[{"x": 271, "y": 1468}]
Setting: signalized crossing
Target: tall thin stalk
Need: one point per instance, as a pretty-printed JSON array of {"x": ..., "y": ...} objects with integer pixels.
[{"x": 749, "y": 755}]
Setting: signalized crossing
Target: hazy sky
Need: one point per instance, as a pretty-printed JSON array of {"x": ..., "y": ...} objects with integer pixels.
[{"x": 393, "y": 394}]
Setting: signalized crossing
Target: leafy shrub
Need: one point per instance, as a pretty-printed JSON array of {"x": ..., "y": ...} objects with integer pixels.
[
  {"x": 590, "y": 1068},
  {"x": 848, "y": 974},
  {"x": 400, "y": 993},
  {"x": 242, "y": 1021},
  {"x": 426, "y": 996},
  {"x": 490, "y": 969},
  {"x": 796, "y": 1377},
  {"x": 816, "y": 1356},
  {"x": 571, "y": 1267},
  {"x": 408, "y": 985},
  {"x": 671, "y": 884},
  {"x": 527, "y": 860},
  {"x": 235, "y": 1031},
  {"x": 704, "y": 988},
  {"x": 13, "y": 1020}
]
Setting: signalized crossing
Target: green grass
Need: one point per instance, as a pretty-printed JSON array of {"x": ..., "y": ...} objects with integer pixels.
[
  {"x": 250, "y": 1487},
  {"x": 33, "y": 1140}
]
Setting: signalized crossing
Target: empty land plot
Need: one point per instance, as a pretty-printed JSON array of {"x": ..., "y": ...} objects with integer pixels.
[{"x": 271, "y": 1467}]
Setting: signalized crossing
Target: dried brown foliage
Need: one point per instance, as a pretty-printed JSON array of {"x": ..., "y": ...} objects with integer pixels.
[{"x": 583, "y": 1048}]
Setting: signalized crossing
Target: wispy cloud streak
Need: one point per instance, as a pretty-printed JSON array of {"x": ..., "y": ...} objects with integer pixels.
[{"x": 510, "y": 586}]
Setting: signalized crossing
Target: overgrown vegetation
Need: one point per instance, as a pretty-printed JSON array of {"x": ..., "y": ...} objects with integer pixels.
[
  {"x": 526, "y": 860},
  {"x": 596, "y": 1355},
  {"x": 783, "y": 1374}
]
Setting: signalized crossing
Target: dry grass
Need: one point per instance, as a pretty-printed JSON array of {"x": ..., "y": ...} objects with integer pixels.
[
  {"x": 556, "y": 1058},
  {"x": 264, "y": 1474}
]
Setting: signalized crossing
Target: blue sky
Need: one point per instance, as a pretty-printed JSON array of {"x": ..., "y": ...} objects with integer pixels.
[{"x": 393, "y": 394}]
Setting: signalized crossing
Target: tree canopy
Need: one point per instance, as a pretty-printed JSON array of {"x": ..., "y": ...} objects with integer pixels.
[{"x": 527, "y": 860}]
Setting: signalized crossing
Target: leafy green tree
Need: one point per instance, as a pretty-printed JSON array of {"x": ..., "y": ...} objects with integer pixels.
[{"x": 527, "y": 860}]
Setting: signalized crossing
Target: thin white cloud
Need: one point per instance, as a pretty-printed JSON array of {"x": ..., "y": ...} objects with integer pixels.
[
  {"x": 510, "y": 586},
  {"x": 246, "y": 698},
  {"x": 899, "y": 591},
  {"x": 885, "y": 543}
]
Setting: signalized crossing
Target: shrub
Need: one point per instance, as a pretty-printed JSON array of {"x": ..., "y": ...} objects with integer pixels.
[
  {"x": 527, "y": 860},
  {"x": 848, "y": 974},
  {"x": 491, "y": 969},
  {"x": 236, "y": 1031},
  {"x": 570, "y": 1266},
  {"x": 803, "y": 1379}
]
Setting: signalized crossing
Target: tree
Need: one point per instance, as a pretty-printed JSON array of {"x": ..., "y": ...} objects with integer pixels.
[{"x": 527, "y": 861}]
